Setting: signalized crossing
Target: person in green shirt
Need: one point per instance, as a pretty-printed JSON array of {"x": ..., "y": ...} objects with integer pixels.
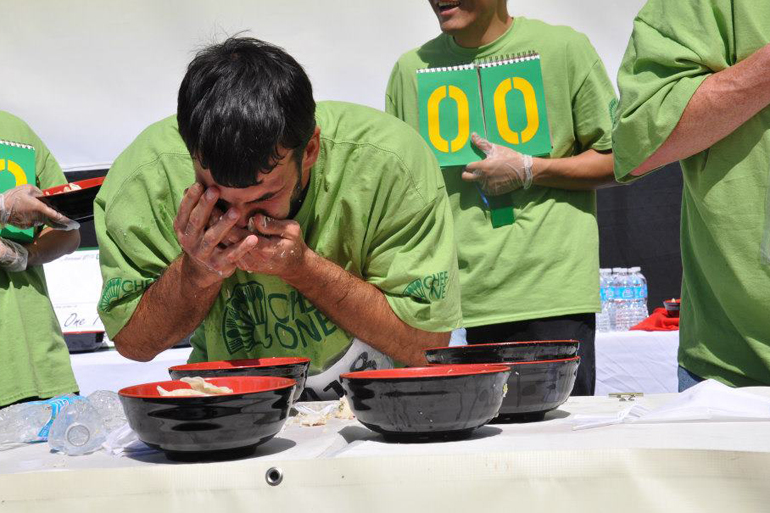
[
  {"x": 695, "y": 87},
  {"x": 276, "y": 226},
  {"x": 537, "y": 278},
  {"x": 34, "y": 360}
]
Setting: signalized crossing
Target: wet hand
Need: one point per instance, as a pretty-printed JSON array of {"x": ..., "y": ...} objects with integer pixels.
[
  {"x": 280, "y": 251},
  {"x": 209, "y": 262}
]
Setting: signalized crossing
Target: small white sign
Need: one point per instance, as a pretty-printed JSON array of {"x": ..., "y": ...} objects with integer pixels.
[{"x": 74, "y": 286}]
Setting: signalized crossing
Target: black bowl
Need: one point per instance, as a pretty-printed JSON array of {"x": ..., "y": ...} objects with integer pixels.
[
  {"x": 209, "y": 427},
  {"x": 293, "y": 368},
  {"x": 503, "y": 352},
  {"x": 535, "y": 388},
  {"x": 78, "y": 205},
  {"x": 426, "y": 403}
]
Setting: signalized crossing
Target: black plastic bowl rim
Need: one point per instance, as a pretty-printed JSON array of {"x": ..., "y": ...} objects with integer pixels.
[
  {"x": 241, "y": 385},
  {"x": 430, "y": 372},
  {"x": 250, "y": 363},
  {"x": 518, "y": 342}
]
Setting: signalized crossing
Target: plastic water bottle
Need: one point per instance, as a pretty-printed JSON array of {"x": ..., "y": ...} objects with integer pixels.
[
  {"x": 78, "y": 429},
  {"x": 623, "y": 299},
  {"x": 22, "y": 422},
  {"x": 31, "y": 421},
  {"x": 603, "y": 323},
  {"x": 109, "y": 407},
  {"x": 639, "y": 303}
]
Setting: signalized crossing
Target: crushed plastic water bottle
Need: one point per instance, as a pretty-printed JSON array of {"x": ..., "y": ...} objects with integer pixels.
[
  {"x": 109, "y": 407},
  {"x": 31, "y": 421},
  {"x": 78, "y": 429},
  {"x": 22, "y": 422}
]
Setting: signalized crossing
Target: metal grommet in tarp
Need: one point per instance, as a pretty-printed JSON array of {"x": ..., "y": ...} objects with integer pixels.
[{"x": 274, "y": 476}]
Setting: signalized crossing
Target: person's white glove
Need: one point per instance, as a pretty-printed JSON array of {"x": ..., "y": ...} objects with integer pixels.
[
  {"x": 13, "y": 257},
  {"x": 503, "y": 170},
  {"x": 20, "y": 207}
]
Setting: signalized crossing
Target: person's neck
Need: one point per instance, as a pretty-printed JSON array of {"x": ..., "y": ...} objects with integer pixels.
[{"x": 475, "y": 37}]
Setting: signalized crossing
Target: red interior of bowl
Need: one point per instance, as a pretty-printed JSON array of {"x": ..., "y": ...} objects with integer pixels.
[
  {"x": 83, "y": 184},
  {"x": 437, "y": 371},
  {"x": 528, "y": 342},
  {"x": 239, "y": 385},
  {"x": 239, "y": 364}
]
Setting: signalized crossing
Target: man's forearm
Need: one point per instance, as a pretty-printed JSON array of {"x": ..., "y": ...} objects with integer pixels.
[
  {"x": 51, "y": 244},
  {"x": 722, "y": 103},
  {"x": 587, "y": 171},
  {"x": 170, "y": 309},
  {"x": 362, "y": 310}
]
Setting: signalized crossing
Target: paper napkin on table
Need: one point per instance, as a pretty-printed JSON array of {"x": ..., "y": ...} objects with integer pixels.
[{"x": 709, "y": 401}]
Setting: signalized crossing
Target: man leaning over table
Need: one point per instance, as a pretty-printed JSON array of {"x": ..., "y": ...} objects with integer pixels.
[
  {"x": 695, "y": 87},
  {"x": 537, "y": 278},
  {"x": 34, "y": 360},
  {"x": 276, "y": 227}
]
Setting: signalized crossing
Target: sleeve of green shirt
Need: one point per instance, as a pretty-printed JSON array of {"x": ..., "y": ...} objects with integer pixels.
[
  {"x": 674, "y": 47},
  {"x": 133, "y": 218},
  {"x": 591, "y": 103},
  {"x": 412, "y": 258}
]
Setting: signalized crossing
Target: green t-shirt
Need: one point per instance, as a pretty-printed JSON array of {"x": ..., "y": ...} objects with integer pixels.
[
  {"x": 675, "y": 46},
  {"x": 547, "y": 262},
  {"x": 34, "y": 360},
  {"x": 376, "y": 206}
]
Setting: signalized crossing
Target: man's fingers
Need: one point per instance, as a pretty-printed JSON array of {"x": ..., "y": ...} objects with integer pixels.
[
  {"x": 482, "y": 143},
  {"x": 269, "y": 226},
  {"x": 239, "y": 250},
  {"x": 218, "y": 232},
  {"x": 189, "y": 200},
  {"x": 202, "y": 211}
]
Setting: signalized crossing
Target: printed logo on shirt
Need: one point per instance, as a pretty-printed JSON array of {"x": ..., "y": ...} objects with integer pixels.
[
  {"x": 428, "y": 289},
  {"x": 614, "y": 111},
  {"x": 253, "y": 317},
  {"x": 117, "y": 288}
]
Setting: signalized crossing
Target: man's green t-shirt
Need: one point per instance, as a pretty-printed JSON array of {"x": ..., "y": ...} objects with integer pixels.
[
  {"x": 34, "y": 360},
  {"x": 675, "y": 46},
  {"x": 376, "y": 206},
  {"x": 546, "y": 263}
]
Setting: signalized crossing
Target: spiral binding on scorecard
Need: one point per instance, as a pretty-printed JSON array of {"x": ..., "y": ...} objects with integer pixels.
[
  {"x": 487, "y": 62},
  {"x": 17, "y": 145},
  {"x": 447, "y": 68},
  {"x": 501, "y": 60}
]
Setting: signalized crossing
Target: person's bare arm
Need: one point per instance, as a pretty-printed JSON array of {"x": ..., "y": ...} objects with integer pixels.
[
  {"x": 722, "y": 103},
  {"x": 505, "y": 170},
  {"x": 588, "y": 171},
  {"x": 354, "y": 305},
  {"x": 180, "y": 299},
  {"x": 51, "y": 244}
]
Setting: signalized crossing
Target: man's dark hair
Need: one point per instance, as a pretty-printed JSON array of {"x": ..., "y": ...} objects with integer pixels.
[{"x": 240, "y": 101}]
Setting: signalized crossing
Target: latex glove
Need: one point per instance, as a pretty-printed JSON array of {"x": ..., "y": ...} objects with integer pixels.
[
  {"x": 21, "y": 207},
  {"x": 13, "y": 257},
  {"x": 503, "y": 170}
]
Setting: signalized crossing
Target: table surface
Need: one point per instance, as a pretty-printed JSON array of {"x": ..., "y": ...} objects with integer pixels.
[{"x": 525, "y": 456}]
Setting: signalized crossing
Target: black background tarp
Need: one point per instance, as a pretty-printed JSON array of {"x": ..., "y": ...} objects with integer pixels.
[{"x": 638, "y": 226}]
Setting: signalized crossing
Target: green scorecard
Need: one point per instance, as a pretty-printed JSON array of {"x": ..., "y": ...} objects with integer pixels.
[
  {"x": 17, "y": 167},
  {"x": 502, "y": 98}
]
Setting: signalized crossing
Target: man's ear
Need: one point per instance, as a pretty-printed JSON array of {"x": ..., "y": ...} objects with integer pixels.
[{"x": 312, "y": 149}]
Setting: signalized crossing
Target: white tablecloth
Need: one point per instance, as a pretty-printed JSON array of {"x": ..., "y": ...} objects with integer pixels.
[
  {"x": 633, "y": 361},
  {"x": 544, "y": 466},
  {"x": 637, "y": 361}
]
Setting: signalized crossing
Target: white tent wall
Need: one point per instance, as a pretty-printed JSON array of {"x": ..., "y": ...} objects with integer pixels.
[{"x": 89, "y": 75}]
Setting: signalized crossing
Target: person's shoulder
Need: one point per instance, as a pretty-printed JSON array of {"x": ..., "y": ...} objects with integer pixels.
[
  {"x": 15, "y": 129},
  {"x": 418, "y": 58},
  {"x": 156, "y": 150},
  {"x": 350, "y": 123},
  {"x": 568, "y": 37}
]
